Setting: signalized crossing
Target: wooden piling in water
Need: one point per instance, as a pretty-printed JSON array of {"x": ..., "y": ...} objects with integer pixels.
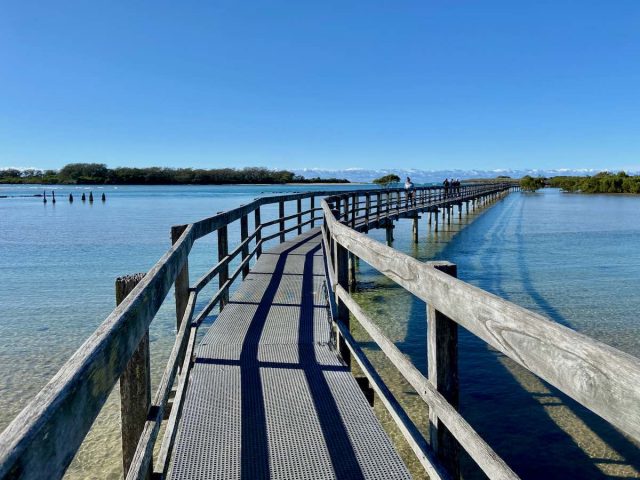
[
  {"x": 389, "y": 232},
  {"x": 352, "y": 272},
  {"x": 90, "y": 197},
  {"x": 70, "y": 198}
]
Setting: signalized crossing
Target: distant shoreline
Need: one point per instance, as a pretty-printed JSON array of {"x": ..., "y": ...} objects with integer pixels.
[
  {"x": 100, "y": 174},
  {"x": 102, "y": 185}
]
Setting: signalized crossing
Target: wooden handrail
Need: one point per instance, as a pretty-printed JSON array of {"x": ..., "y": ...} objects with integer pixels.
[
  {"x": 39, "y": 441},
  {"x": 603, "y": 379},
  {"x": 476, "y": 447}
]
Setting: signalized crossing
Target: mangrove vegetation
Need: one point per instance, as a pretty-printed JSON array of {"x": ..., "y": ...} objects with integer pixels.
[
  {"x": 100, "y": 174},
  {"x": 603, "y": 182}
]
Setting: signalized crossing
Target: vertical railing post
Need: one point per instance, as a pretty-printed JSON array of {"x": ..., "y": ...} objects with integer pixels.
[
  {"x": 135, "y": 384},
  {"x": 258, "y": 222},
  {"x": 442, "y": 351},
  {"x": 312, "y": 206},
  {"x": 182, "y": 280},
  {"x": 244, "y": 234},
  {"x": 367, "y": 207},
  {"x": 352, "y": 272},
  {"x": 345, "y": 201},
  {"x": 378, "y": 202},
  {"x": 342, "y": 278},
  {"x": 281, "y": 217},
  {"x": 299, "y": 207},
  {"x": 223, "y": 275},
  {"x": 354, "y": 209}
]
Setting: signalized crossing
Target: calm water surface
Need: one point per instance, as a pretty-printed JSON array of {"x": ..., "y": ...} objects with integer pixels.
[{"x": 573, "y": 258}]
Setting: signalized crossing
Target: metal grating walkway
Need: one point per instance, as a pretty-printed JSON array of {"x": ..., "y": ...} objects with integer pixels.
[{"x": 267, "y": 397}]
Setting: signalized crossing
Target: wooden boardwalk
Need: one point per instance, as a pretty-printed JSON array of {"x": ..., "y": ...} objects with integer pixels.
[
  {"x": 267, "y": 396},
  {"x": 268, "y": 392}
]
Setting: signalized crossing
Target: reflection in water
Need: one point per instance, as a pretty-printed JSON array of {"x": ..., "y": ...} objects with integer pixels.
[{"x": 535, "y": 250}]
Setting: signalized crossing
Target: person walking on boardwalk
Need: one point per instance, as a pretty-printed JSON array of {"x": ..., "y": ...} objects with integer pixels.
[
  {"x": 445, "y": 184},
  {"x": 410, "y": 192}
]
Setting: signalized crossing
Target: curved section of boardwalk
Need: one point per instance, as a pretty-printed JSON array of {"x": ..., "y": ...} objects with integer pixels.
[{"x": 267, "y": 396}]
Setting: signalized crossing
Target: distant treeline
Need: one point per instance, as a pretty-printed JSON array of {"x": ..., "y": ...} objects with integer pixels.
[
  {"x": 100, "y": 174},
  {"x": 603, "y": 182}
]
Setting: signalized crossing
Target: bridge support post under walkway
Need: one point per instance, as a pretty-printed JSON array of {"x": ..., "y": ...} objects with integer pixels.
[
  {"x": 389, "y": 229},
  {"x": 352, "y": 272},
  {"x": 415, "y": 229},
  {"x": 135, "y": 384},
  {"x": 442, "y": 351}
]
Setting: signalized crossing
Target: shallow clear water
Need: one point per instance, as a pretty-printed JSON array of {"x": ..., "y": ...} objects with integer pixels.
[
  {"x": 58, "y": 264},
  {"x": 574, "y": 258}
]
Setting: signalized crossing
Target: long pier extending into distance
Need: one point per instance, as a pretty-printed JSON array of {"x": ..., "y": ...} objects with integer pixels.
[{"x": 267, "y": 391}]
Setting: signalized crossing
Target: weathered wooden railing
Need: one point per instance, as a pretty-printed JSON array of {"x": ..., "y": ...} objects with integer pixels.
[
  {"x": 603, "y": 379},
  {"x": 45, "y": 436},
  {"x": 43, "y": 439}
]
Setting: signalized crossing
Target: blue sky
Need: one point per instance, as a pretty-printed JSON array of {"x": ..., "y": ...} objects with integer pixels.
[{"x": 325, "y": 84}]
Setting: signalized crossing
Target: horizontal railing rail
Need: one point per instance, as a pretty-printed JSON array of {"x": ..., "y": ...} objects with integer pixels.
[{"x": 603, "y": 379}]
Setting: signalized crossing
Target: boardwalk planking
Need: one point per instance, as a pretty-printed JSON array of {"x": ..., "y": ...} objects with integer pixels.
[{"x": 267, "y": 396}]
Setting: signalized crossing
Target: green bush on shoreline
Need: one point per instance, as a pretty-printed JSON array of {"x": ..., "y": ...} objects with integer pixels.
[
  {"x": 603, "y": 182},
  {"x": 100, "y": 174},
  {"x": 531, "y": 184}
]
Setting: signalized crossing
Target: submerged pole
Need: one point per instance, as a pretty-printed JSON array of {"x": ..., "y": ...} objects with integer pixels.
[{"x": 352, "y": 272}]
